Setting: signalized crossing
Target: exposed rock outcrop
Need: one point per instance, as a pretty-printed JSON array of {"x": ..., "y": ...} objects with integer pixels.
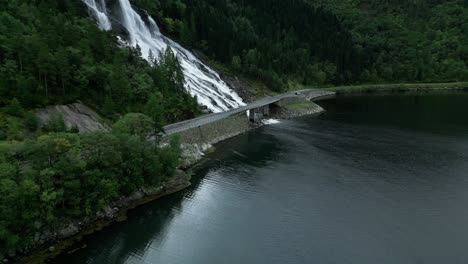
[
  {"x": 239, "y": 86},
  {"x": 75, "y": 115}
]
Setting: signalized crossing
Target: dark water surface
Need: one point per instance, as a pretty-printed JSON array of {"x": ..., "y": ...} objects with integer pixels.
[{"x": 377, "y": 179}]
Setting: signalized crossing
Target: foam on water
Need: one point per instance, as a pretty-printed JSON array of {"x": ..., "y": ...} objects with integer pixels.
[{"x": 270, "y": 121}]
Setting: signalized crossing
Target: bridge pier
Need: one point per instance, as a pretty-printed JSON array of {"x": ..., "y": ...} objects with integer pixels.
[{"x": 257, "y": 114}]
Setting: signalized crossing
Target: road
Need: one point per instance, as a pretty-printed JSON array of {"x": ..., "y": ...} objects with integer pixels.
[{"x": 312, "y": 94}]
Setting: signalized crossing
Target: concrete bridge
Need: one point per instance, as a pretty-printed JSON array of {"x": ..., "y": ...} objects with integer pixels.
[{"x": 254, "y": 111}]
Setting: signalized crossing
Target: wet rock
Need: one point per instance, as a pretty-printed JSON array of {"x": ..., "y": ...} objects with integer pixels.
[
  {"x": 152, "y": 190},
  {"x": 107, "y": 212},
  {"x": 68, "y": 231},
  {"x": 137, "y": 196},
  {"x": 239, "y": 86},
  {"x": 191, "y": 153}
]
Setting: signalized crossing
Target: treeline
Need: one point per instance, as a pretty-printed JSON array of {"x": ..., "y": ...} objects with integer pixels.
[
  {"x": 325, "y": 42},
  {"x": 51, "y": 52},
  {"x": 59, "y": 177}
]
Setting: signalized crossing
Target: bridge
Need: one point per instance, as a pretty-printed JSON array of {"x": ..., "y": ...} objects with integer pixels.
[{"x": 260, "y": 107}]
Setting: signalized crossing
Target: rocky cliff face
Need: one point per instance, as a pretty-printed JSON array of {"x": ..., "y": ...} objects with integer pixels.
[{"x": 77, "y": 114}]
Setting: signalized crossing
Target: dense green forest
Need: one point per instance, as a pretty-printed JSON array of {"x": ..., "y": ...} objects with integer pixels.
[
  {"x": 52, "y": 53},
  {"x": 61, "y": 176},
  {"x": 325, "y": 42}
]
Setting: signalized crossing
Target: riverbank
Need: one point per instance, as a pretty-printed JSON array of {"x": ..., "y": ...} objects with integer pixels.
[
  {"x": 52, "y": 243},
  {"x": 198, "y": 141},
  {"x": 290, "y": 107},
  {"x": 310, "y": 191},
  {"x": 403, "y": 87}
]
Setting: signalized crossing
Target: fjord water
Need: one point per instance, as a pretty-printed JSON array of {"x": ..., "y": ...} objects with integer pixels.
[{"x": 376, "y": 179}]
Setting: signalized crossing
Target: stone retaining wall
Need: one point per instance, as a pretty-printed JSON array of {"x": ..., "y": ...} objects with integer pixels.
[{"x": 215, "y": 132}]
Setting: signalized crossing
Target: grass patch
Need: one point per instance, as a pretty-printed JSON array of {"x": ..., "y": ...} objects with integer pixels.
[{"x": 302, "y": 106}]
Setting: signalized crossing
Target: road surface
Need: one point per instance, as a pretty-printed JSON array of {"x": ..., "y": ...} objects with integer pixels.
[{"x": 312, "y": 94}]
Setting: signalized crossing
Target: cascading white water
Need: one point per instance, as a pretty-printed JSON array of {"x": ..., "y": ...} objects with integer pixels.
[
  {"x": 201, "y": 81},
  {"x": 98, "y": 12}
]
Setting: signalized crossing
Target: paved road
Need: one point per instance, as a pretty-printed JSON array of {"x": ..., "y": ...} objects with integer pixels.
[{"x": 312, "y": 94}]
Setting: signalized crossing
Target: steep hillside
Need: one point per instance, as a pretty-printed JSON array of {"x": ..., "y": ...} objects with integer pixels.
[
  {"x": 52, "y": 52},
  {"x": 408, "y": 40},
  {"x": 325, "y": 42}
]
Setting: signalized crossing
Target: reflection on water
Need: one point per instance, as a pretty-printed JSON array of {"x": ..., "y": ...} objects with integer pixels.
[{"x": 374, "y": 180}]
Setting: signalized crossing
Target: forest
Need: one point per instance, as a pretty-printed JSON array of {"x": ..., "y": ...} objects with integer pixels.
[
  {"x": 326, "y": 42},
  {"x": 52, "y": 52}
]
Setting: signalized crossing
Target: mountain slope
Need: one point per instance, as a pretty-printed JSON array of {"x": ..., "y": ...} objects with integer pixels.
[
  {"x": 325, "y": 42},
  {"x": 51, "y": 52}
]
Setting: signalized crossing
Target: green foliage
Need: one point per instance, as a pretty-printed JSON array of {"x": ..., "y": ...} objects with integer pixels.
[
  {"x": 69, "y": 176},
  {"x": 154, "y": 110},
  {"x": 31, "y": 122},
  {"x": 108, "y": 108},
  {"x": 11, "y": 128},
  {"x": 135, "y": 124},
  {"x": 14, "y": 108},
  {"x": 56, "y": 123},
  {"x": 51, "y": 52},
  {"x": 326, "y": 42}
]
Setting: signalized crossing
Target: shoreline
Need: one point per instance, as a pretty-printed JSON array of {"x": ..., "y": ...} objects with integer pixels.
[
  {"x": 115, "y": 212},
  {"x": 403, "y": 87},
  {"x": 119, "y": 209}
]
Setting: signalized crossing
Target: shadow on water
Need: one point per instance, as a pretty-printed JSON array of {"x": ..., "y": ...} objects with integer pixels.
[
  {"x": 112, "y": 244},
  {"x": 376, "y": 179},
  {"x": 149, "y": 222}
]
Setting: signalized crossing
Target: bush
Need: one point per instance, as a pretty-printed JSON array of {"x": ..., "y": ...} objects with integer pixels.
[
  {"x": 135, "y": 124},
  {"x": 31, "y": 122},
  {"x": 14, "y": 108},
  {"x": 2, "y": 135},
  {"x": 74, "y": 129},
  {"x": 273, "y": 82},
  {"x": 14, "y": 131},
  {"x": 56, "y": 123}
]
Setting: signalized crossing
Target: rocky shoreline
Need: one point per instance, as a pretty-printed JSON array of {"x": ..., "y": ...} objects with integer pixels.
[
  {"x": 286, "y": 113},
  {"x": 50, "y": 243},
  {"x": 193, "y": 153}
]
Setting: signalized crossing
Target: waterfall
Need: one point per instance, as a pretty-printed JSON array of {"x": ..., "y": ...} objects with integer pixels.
[
  {"x": 200, "y": 80},
  {"x": 99, "y": 13}
]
